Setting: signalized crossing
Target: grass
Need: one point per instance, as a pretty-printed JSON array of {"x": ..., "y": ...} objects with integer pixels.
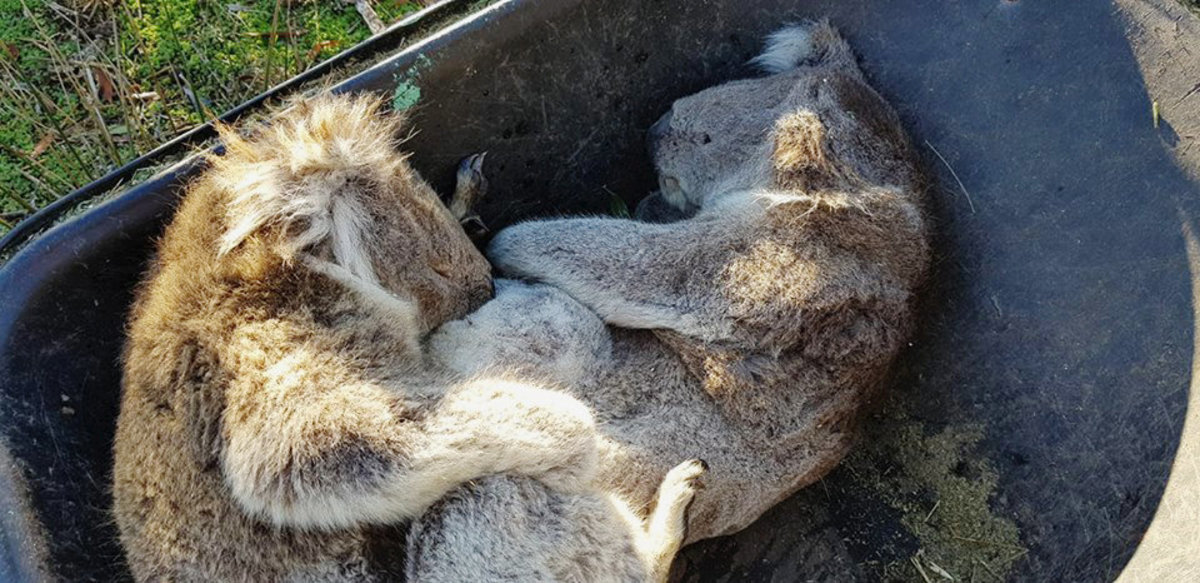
[
  {"x": 87, "y": 85},
  {"x": 942, "y": 490}
]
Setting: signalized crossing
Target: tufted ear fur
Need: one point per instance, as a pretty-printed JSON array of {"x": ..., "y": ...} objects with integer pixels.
[
  {"x": 806, "y": 43},
  {"x": 304, "y": 182}
]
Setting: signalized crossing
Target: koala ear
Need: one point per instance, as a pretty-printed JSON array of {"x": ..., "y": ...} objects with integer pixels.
[
  {"x": 306, "y": 179},
  {"x": 803, "y": 160}
]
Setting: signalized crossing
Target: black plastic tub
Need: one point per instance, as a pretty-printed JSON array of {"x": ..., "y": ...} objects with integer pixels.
[{"x": 1043, "y": 404}]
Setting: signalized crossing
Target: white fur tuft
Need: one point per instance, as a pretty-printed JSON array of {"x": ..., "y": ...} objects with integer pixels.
[
  {"x": 307, "y": 174},
  {"x": 786, "y": 49}
]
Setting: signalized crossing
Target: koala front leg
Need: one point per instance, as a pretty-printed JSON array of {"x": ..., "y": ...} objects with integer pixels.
[
  {"x": 306, "y": 443},
  {"x": 632, "y": 274}
]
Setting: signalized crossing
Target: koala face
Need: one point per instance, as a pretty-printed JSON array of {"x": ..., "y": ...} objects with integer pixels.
[
  {"x": 718, "y": 139},
  {"x": 326, "y": 180},
  {"x": 422, "y": 252}
]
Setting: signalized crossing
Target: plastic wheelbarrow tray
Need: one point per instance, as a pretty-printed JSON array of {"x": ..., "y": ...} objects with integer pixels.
[{"x": 1043, "y": 425}]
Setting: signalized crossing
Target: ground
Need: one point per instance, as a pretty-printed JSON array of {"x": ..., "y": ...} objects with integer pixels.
[{"x": 87, "y": 85}]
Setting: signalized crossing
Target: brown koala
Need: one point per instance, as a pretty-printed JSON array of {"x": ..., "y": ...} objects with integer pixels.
[
  {"x": 751, "y": 333},
  {"x": 277, "y": 398}
]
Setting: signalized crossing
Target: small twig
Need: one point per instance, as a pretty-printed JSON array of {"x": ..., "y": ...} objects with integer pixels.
[
  {"x": 36, "y": 165},
  {"x": 932, "y": 510},
  {"x": 916, "y": 563},
  {"x": 369, "y": 16},
  {"x": 954, "y": 174},
  {"x": 134, "y": 116},
  {"x": 276, "y": 34},
  {"x": 985, "y": 542},
  {"x": 989, "y": 569},
  {"x": 939, "y": 570},
  {"x": 1194, "y": 89},
  {"x": 191, "y": 95},
  {"x": 271, "y": 46},
  {"x": 54, "y": 194},
  {"x": 13, "y": 196}
]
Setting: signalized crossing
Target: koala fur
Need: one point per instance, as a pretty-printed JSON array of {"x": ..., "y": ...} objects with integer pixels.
[
  {"x": 750, "y": 333},
  {"x": 278, "y": 399},
  {"x": 507, "y": 528},
  {"x": 313, "y": 351}
]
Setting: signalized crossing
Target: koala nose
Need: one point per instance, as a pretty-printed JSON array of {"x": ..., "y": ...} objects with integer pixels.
[{"x": 656, "y": 133}]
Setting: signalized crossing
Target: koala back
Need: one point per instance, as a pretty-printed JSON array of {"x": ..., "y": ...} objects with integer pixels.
[{"x": 307, "y": 258}]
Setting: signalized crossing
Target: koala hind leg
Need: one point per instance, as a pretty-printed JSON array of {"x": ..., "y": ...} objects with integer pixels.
[
  {"x": 513, "y": 528},
  {"x": 666, "y": 529}
]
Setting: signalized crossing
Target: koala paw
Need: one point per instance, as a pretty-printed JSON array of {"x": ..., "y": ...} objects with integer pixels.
[
  {"x": 675, "y": 494},
  {"x": 685, "y": 478}
]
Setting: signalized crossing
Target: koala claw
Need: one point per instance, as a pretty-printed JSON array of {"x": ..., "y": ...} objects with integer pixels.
[{"x": 470, "y": 188}]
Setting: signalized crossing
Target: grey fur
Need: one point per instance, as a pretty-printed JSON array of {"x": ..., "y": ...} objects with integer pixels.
[{"x": 750, "y": 333}]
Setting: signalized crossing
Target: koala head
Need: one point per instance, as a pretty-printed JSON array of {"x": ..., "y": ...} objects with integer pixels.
[
  {"x": 325, "y": 181},
  {"x": 421, "y": 251},
  {"x": 717, "y": 140}
]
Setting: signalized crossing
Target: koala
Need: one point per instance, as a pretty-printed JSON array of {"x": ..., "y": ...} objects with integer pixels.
[
  {"x": 279, "y": 399},
  {"x": 750, "y": 331}
]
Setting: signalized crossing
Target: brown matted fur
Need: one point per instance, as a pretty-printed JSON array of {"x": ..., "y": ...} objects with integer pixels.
[{"x": 276, "y": 397}]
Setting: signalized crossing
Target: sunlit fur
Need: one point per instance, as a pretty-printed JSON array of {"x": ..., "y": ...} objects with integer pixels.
[
  {"x": 752, "y": 333},
  {"x": 278, "y": 399},
  {"x": 282, "y": 392}
]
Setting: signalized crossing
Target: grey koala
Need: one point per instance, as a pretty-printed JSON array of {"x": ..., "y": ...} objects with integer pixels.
[{"x": 750, "y": 333}]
